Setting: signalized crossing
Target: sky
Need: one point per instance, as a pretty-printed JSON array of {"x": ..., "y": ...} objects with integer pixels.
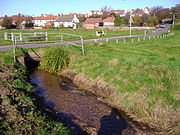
[{"x": 38, "y": 7}]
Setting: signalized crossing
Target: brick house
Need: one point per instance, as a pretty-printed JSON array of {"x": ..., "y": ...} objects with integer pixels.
[
  {"x": 91, "y": 23},
  {"x": 108, "y": 22}
]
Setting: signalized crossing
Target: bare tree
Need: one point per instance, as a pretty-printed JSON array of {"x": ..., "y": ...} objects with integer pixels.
[
  {"x": 175, "y": 13},
  {"x": 160, "y": 12},
  {"x": 106, "y": 11}
]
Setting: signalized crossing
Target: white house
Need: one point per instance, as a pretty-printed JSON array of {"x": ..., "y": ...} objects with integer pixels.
[
  {"x": 42, "y": 20},
  {"x": 95, "y": 13},
  {"x": 66, "y": 21},
  {"x": 119, "y": 12}
]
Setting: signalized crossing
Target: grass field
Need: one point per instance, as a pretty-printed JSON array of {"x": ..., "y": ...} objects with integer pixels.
[
  {"x": 144, "y": 76},
  {"x": 87, "y": 34}
]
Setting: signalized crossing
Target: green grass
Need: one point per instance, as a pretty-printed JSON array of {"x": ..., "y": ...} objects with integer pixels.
[
  {"x": 36, "y": 118},
  {"x": 87, "y": 34},
  {"x": 145, "y": 76}
]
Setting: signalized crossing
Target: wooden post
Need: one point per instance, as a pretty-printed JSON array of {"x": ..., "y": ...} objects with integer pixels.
[
  {"x": 12, "y": 37},
  {"x": 124, "y": 40},
  {"x": 82, "y": 45},
  {"x": 5, "y": 35},
  {"x": 117, "y": 41},
  {"x": 139, "y": 39},
  {"x": 20, "y": 36},
  {"x": 14, "y": 47},
  {"x": 46, "y": 36},
  {"x": 132, "y": 40},
  {"x": 107, "y": 40},
  {"x": 61, "y": 38}
]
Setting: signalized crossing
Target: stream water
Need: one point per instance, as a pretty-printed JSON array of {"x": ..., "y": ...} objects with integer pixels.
[{"x": 80, "y": 111}]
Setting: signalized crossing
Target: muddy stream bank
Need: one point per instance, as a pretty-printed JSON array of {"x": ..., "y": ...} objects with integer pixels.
[{"x": 79, "y": 110}]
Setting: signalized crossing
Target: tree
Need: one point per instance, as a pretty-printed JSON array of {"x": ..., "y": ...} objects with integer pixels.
[
  {"x": 175, "y": 11},
  {"x": 7, "y": 22},
  {"x": 137, "y": 21},
  {"x": 144, "y": 18},
  {"x": 118, "y": 21},
  {"x": 152, "y": 20},
  {"x": 106, "y": 11},
  {"x": 160, "y": 12},
  {"x": 21, "y": 20},
  {"x": 126, "y": 18}
]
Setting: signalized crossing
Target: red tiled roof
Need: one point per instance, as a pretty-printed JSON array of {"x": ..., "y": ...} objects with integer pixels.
[
  {"x": 138, "y": 11},
  {"x": 109, "y": 19},
  {"x": 96, "y": 11},
  {"x": 45, "y": 17},
  {"x": 92, "y": 20},
  {"x": 118, "y": 11}
]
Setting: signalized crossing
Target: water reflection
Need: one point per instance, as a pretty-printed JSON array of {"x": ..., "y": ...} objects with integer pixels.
[{"x": 79, "y": 111}]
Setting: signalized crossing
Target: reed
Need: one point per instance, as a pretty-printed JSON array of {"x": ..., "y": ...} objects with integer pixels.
[{"x": 54, "y": 59}]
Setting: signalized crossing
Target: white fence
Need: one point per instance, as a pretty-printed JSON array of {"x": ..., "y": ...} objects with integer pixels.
[{"x": 36, "y": 37}]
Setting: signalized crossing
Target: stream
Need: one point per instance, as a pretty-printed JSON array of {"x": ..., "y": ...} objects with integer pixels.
[{"x": 78, "y": 109}]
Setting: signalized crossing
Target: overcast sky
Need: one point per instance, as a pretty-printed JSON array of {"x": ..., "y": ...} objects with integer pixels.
[{"x": 38, "y": 7}]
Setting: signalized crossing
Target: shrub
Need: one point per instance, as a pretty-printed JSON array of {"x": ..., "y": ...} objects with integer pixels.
[
  {"x": 177, "y": 27},
  {"x": 55, "y": 59}
]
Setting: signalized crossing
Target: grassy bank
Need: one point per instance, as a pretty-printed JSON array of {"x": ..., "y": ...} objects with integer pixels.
[
  {"x": 87, "y": 34},
  {"x": 21, "y": 110},
  {"x": 143, "y": 77}
]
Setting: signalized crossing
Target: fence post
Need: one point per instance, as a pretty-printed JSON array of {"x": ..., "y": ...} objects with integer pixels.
[
  {"x": 107, "y": 40},
  {"x": 5, "y": 35},
  {"x": 144, "y": 33},
  {"x": 46, "y": 36},
  {"x": 124, "y": 40},
  {"x": 12, "y": 37},
  {"x": 14, "y": 46},
  {"x": 61, "y": 38},
  {"x": 132, "y": 40},
  {"x": 117, "y": 41},
  {"x": 138, "y": 39},
  {"x": 20, "y": 36},
  {"x": 82, "y": 45}
]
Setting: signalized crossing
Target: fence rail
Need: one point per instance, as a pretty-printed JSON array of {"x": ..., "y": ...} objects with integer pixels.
[{"x": 38, "y": 37}]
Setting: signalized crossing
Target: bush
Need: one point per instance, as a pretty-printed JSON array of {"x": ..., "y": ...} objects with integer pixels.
[
  {"x": 55, "y": 59},
  {"x": 177, "y": 27}
]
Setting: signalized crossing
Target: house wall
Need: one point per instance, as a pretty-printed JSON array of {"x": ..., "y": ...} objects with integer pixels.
[
  {"x": 89, "y": 26},
  {"x": 41, "y": 22},
  {"x": 110, "y": 24},
  {"x": 65, "y": 24},
  {"x": 75, "y": 20}
]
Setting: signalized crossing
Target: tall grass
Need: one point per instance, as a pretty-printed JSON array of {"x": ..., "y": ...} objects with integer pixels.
[{"x": 54, "y": 59}]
